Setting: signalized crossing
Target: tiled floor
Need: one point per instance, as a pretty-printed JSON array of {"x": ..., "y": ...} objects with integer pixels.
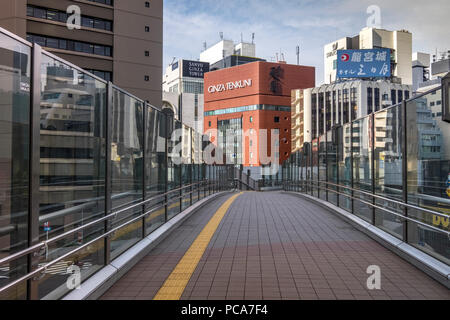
[{"x": 277, "y": 246}]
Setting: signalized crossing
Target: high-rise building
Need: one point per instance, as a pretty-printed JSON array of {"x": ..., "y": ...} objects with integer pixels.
[
  {"x": 226, "y": 48},
  {"x": 183, "y": 91},
  {"x": 316, "y": 110},
  {"x": 118, "y": 40},
  {"x": 400, "y": 43},
  {"x": 249, "y": 99}
]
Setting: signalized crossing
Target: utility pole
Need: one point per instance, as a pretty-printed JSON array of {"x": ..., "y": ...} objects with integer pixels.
[{"x": 298, "y": 55}]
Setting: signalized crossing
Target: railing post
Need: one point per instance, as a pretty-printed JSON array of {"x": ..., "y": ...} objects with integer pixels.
[
  {"x": 351, "y": 167},
  {"x": 108, "y": 182},
  {"x": 372, "y": 119},
  {"x": 191, "y": 167},
  {"x": 166, "y": 164},
  {"x": 34, "y": 167},
  {"x": 404, "y": 168},
  {"x": 144, "y": 169}
]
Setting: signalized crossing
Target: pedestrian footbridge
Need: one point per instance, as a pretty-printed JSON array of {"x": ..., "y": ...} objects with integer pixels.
[{"x": 100, "y": 199}]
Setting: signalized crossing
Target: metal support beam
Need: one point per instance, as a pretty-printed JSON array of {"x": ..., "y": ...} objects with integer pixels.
[{"x": 35, "y": 166}]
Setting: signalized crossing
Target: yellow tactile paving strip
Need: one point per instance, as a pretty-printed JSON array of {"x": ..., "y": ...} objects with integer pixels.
[{"x": 173, "y": 287}]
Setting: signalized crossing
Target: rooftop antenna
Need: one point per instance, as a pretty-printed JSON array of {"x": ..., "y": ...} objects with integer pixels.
[
  {"x": 204, "y": 46},
  {"x": 242, "y": 37},
  {"x": 253, "y": 38},
  {"x": 221, "y": 35},
  {"x": 277, "y": 56},
  {"x": 282, "y": 56},
  {"x": 297, "y": 51}
]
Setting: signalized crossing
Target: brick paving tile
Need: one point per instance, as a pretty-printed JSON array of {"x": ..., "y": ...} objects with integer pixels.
[{"x": 276, "y": 246}]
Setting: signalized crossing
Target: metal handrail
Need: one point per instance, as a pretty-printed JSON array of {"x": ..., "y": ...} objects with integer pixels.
[
  {"x": 104, "y": 235},
  {"x": 385, "y": 199},
  {"x": 388, "y": 211},
  {"x": 45, "y": 243},
  {"x": 383, "y": 209}
]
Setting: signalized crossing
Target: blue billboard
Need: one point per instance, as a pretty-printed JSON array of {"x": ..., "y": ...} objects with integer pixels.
[{"x": 367, "y": 63}]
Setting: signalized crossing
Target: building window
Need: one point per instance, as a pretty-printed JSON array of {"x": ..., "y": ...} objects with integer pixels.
[
  {"x": 147, "y": 53},
  {"x": 251, "y": 143},
  {"x": 394, "y": 97},
  {"x": 432, "y": 104},
  {"x": 369, "y": 100},
  {"x": 146, "y": 78},
  {"x": 147, "y": 29},
  {"x": 209, "y": 123},
  {"x": 406, "y": 95},
  {"x": 108, "y": 2},
  {"x": 276, "y": 119},
  {"x": 251, "y": 119},
  {"x": 147, "y": 4},
  {"x": 377, "y": 99},
  {"x": 71, "y": 45},
  {"x": 438, "y": 103},
  {"x": 61, "y": 16},
  {"x": 400, "y": 96}
]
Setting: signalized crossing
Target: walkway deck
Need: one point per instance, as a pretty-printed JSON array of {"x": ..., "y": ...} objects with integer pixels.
[{"x": 276, "y": 246}]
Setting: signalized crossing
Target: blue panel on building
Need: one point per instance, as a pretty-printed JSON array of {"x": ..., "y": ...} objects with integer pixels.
[{"x": 368, "y": 63}]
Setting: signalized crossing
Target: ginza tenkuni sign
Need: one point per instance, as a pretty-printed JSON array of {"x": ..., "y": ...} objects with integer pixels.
[{"x": 230, "y": 86}]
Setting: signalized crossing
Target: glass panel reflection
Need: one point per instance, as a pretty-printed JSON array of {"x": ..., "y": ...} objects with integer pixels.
[
  {"x": 14, "y": 159},
  {"x": 72, "y": 180},
  {"x": 362, "y": 166},
  {"x": 429, "y": 173},
  {"x": 388, "y": 168},
  {"x": 126, "y": 168}
]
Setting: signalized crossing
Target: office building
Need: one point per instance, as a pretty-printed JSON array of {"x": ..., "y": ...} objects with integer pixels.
[
  {"x": 183, "y": 91},
  {"x": 226, "y": 48},
  {"x": 249, "y": 98},
  {"x": 118, "y": 40},
  {"x": 316, "y": 110},
  {"x": 400, "y": 43},
  {"x": 421, "y": 69}
]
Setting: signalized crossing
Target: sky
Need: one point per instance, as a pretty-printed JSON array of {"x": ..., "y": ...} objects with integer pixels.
[{"x": 281, "y": 25}]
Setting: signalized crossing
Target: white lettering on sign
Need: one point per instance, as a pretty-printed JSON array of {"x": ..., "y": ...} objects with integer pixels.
[{"x": 230, "y": 86}]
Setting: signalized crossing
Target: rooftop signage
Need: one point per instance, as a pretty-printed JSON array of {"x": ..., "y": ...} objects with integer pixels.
[
  {"x": 195, "y": 69},
  {"x": 368, "y": 63},
  {"x": 230, "y": 86}
]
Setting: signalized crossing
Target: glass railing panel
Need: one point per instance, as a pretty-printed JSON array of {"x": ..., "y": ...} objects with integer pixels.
[
  {"x": 174, "y": 169},
  {"x": 362, "y": 166},
  {"x": 332, "y": 169},
  {"x": 155, "y": 161},
  {"x": 72, "y": 162},
  {"x": 15, "y": 65},
  {"x": 323, "y": 167},
  {"x": 127, "y": 147},
  {"x": 345, "y": 166},
  {"x": 428, "y": 156},
  {"x": 388, "y": 158},
  {"x": 315, "y": 167}
]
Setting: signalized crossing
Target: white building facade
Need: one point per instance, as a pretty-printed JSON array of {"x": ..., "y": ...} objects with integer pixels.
[
  {"x": 400, "y": 42},
  {"x": 226, "y": 48},
  {"x": 330, "y": 104},
  {"x": 183, "y": 91}
]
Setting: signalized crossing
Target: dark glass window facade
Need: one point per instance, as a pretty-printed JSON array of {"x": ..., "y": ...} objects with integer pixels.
[
  {"x": 78, "y": 46},
  {"x": 61, "y": 16}
]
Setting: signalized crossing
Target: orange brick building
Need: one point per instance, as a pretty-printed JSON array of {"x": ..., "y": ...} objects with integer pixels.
[{"x": 252, "y": 97}]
